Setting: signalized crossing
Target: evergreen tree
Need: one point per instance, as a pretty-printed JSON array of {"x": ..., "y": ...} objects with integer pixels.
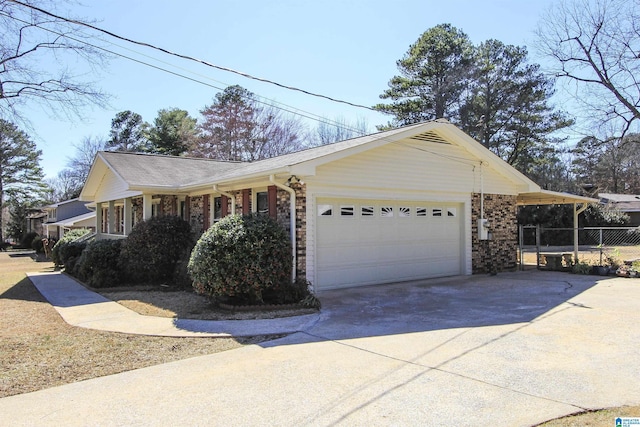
[
  {"x": 20, "y": 170},
  {"x": 127, "y": 132},
  {"x": 433, "y": 77},
  {"x": 173, "y": 132}
]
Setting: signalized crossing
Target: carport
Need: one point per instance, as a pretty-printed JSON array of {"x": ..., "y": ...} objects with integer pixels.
[{"x": 546, "y": 197}]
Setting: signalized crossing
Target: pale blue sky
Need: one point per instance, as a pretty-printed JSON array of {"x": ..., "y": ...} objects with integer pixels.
[{"x": 344, "y": 49}]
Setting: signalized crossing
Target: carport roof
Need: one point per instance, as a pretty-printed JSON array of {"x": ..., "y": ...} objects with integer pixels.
[{"x": 546, "y": 197}]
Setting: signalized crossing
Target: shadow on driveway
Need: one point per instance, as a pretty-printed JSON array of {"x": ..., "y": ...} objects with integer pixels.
[{"x": 436, "y": 304}]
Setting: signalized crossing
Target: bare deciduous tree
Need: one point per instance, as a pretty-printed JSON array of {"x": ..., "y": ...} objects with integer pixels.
[
  {"x": 69, "y": 181},
  {"x": 595, "y": 44},
  {"x": 339, "y": 129},
  {"x": 238, "y": 127},
  {"x": 35, "y": 56}
]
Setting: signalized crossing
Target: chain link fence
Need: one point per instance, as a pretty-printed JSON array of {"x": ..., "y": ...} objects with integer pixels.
[{"x": 553, "y": 248}]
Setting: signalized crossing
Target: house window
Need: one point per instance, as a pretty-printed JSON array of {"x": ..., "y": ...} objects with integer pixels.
[
  {"x": 366, "y": 210},
  {"x": 325, "y": 210},
  {"x": 386, "y": 211},
  {"x": 404, "y": 212},
  {"x": 155, "y": 208},
  {"x": 452, "y": 212},
  {"x": 436, "y": 212},
  {"x": 347, "y": 210},
  {"x": 421, "y": 211},
  {"x": 183, "y": 212},
  {"x": 262, "y": 202},
  {"x": 217, "y": 208}
]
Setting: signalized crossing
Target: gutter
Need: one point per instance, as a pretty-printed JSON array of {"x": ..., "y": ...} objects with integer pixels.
[
  {"x": 292, "y": 221},
  {"x": 229, "y": 195}
]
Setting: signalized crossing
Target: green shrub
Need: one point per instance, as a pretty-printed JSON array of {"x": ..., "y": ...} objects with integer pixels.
[
  {"x": 37, "y": 244},
  {"x": 98, "y": 265},
  {"x": 70, "y": 252},
  {"x": 27, "y": 240},
  {"x": 156, "y": 250},
  {"x": 581, "y": 268},
  {"x": 242, "y": 257},
  {"x": 59, "y": 253}
]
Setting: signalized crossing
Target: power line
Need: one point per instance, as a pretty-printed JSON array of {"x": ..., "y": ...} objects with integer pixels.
[
  {"x": 190, "y": 58},
  {"x": 259, "y": 99},
  {"x": 307, "y": 115}
]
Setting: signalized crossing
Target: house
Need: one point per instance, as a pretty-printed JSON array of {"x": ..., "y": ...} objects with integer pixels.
[
  {"x": 67, "y": 215},
  {"x": 420, "y": 201},
  {"x": 627, "y": 203},
  {"x": 35, "y": 221}
]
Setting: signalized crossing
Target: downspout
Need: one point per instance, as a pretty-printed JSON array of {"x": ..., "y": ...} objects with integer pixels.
[
  {"x": 292, "y": 221},
  {"x": 229, "y": 195},
  {"x": 576, "y": 212},
  {"x": 481, "y": 193}
]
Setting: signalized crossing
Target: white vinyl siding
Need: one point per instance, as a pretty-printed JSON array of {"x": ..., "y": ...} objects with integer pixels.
[{"x": 442, "y": 168}]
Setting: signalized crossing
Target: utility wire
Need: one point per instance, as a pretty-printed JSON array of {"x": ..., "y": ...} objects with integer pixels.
[
  {"x": 190, "y": 58},
  {"x": 297, "y": 112},
  {"x": 259, "y": 99}
]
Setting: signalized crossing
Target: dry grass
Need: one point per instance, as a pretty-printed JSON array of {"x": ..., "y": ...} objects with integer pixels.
[{"x": 39, "y": 350}]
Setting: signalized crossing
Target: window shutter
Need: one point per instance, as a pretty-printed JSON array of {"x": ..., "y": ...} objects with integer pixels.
[
  {"x": 224, "y": 208},
  {"x": 205, "y": 211},
  {"x": 246, "y": 201}
]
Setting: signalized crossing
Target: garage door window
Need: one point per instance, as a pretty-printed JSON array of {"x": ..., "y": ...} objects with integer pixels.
[
  {"x": 325, "y": 210},
  {"x": 437, "y": 212},
  {"x": 386, "y": 211},
  {"x": 421, "y": 211},
  {"x": 366, "y": 211},
  {"x": 347, "y": 210},
  {"x": 452, "y": 212},
  {"x": 404, "y": 212}
]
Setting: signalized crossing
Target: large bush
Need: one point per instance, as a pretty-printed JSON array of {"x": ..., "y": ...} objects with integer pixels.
[
  {"x": 27, "y": 240},
  {"x": 61, "y": 252},
  {"x": 98, "y": 265},
  {"x": 156, "y": 249},
  {"x": 242, "y": 257}
]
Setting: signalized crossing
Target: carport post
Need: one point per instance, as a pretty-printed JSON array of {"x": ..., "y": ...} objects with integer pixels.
[{"x": 576, "y": 212}]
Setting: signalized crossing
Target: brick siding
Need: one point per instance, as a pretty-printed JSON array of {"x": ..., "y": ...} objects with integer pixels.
[{"x": 500, "y": 252}]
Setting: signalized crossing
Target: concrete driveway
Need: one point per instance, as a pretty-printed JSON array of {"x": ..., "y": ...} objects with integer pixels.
[{"x": 514, "y": 349}]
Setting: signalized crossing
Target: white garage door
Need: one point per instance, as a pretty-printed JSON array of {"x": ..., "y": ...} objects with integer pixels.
[{"x": 373, "y": 241}]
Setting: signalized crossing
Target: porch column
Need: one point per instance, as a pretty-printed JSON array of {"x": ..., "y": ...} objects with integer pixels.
[
  {"x": 111, "y": 222},
  {"x": 128, "y": 218},
  {"x": 146, "y": 206},
  {"x": 98, "y": 220}
]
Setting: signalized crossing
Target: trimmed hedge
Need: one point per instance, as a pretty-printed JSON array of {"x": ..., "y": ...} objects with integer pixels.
[
  {"x": 98, "y": 265},
  {"x": 242, "y": 257},
  {"x": 156, "y": 251}
]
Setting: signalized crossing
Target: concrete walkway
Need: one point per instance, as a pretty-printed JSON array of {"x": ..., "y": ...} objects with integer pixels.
[
  {"x": 81, "y": 307},
  {"x": 510, "y": 350}
]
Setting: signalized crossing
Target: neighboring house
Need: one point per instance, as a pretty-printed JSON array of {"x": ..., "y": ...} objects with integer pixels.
[
  {"x": 35, "y": 220},
  {"x": 67, "y": 215},
  {"x": 627, "y": 203},
  {"x": 397, "y": 205}
]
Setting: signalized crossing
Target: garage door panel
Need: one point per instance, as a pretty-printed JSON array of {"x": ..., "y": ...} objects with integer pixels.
[{"x": 393, "y": 242}]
